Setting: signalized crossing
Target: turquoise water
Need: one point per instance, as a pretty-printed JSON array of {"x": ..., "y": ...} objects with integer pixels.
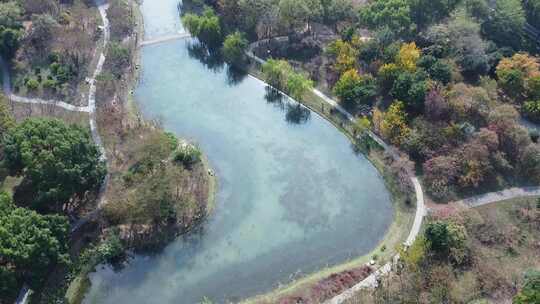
[{"x": 293, "y": 195}]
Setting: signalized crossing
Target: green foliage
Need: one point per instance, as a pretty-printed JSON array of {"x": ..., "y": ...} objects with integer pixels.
[
  {"x": 298, "y": 85},
  {"x": 280, "y": 75},
  {"x": 234, "y": 48},
  {"x": 353, "y": 89},
  {"x": 107, "y": 251},
  {"x": 411, "y": 88},
  {"x": 60, "y": 163},
  {"x": 427, "y": 11},
  {"x": 9, "y": 41},
  {"x": 119, "y": 58},
  {"x": 188, "y": 155},
  {"x": 29, "y": 243},
  {"x": 436, "y": 69},
  {"x": 447, "y": 240},
  {"x": 531, "y": 109},
  {"x": 205, "y": 27},
  {"x": 530, "y": 292},
  {"x": 394, "y": 14},
  {"x": 505, "y": 24}
]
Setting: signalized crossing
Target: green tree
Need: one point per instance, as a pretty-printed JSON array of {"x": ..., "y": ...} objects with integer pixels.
[
  {"x": 295, "y": 13},
  {"x": 426, "y": 11},
  {"x": 505, "y": 24},
  {"x": 234, "y": 48},
  {"x": 353, "y": 89},
  {"x": 59, "y": 163},
  {"x": 530, "y": 292},
  {"x": 447, "y": 240},
  {"x": 394, "y": 14},
  {"x": 298, "y": 85},
  {"x": 29, "y": 242},
  {"x": 436, "y": 69},
  {"x": 205, "y": 27},
  {"x": 411, "y": 88},
  {"x": 10, "y": 14},
  {"x": 276, "y": 72}
]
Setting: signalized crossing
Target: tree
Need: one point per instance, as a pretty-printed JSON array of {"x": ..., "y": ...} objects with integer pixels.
[
  {"x": 518, "y": 74},
  {"x": 234, "y": 48},
  {"x": 9, "y": 41},
  {"x": 345, "y": 55},
  {"x": 532, "y": 9},
  {"x": 392, "y": 124},
  {"x": 411, "y": 88},
  {"x": 6, "y": 118},
  {"x": 394, "y": 14},
  {"x": 531, "y": 109},
  {"x": 505, "y": 25},
  {"x": 440, "y": 176},
  {"x": 426, "y": 11},
  {"x": 294, "y": 13},
  {"x": 59, "y": 163},
  {"x": 298, "y": 85},
  {"x": 276, "y": 72},
  {"x": 447, "y": 240},
  {"x": 42, "y": 32},
  {"x": 119, "y": 58},
  {"x": 436, "y": 68},
  {"x": 530, "y": 162},
  {"x": 353, "y": 89},
  {"x": 10, "y": 15},
  {"x": 205, "y": 27},
  {"x": 530, "y": 292},
  {"x": 408, "y": 56},
  {"x": 29, "y": 242},
  {"x": 121, "y": 18}
]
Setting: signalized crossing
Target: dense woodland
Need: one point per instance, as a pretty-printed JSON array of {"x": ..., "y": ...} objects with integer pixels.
[{"x": 445, "y": 81}]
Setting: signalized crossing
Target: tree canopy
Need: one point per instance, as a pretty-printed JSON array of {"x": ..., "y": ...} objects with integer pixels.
[
  {"x": 59, "y": 163},
  {"x": 29, "y": 244}
]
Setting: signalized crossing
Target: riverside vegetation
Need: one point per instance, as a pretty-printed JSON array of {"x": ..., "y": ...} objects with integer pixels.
[
  {"x": 52, "y": 172},
  {"x": 446, "y": 82}
]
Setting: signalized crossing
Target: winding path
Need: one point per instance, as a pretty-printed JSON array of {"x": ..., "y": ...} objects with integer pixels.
[
  {"x": 90, "y": 108},
  {"x": 372, "y": 280},
  {"x": 497, "y": 196}
]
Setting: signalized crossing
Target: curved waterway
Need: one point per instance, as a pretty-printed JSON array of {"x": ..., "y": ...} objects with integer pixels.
[{"x": 293, "y": 196}]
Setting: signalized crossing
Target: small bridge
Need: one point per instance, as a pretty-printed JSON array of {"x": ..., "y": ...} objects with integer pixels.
[{"x": 166, "y": 38}]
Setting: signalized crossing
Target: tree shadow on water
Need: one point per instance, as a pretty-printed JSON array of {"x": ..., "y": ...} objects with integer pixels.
[
  {"x": 297, "y": 114},
  {"x": 210, "y": 58},
  {"x": 235, "y": 75}
]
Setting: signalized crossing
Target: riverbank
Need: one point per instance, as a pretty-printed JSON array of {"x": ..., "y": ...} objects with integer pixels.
[
  {"x": 396, "y": 234},
  {"x": 127, "y": 132}
]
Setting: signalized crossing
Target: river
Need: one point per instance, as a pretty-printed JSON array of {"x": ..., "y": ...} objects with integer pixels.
[{"x": 293, "y": 196}]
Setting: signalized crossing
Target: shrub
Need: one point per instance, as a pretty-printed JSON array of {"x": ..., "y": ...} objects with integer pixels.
[
  {"x": 234, "y": 48},
  {"x": 188, "y": 155},
  {"x": 531, "y": 109}
]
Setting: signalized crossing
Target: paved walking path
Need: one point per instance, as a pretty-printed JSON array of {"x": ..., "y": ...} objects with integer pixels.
[
  {"x": 90, "y": 109},
  {"x": 372, "y": 280},
  {"x": 497, "y": 196}
]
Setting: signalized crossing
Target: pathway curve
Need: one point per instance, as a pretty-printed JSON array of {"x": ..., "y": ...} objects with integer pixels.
[
  {"x": 372, "y": 280},
  {"x": 497, "y": 196},
  {"x": 90, "y": 108}
]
